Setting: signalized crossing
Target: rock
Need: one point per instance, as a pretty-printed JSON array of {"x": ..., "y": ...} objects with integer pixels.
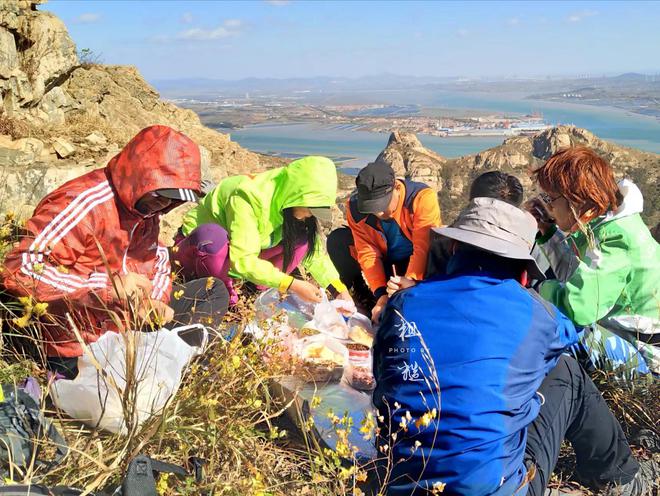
[
  {"x": 12, "y": 157},
  {"x": 8, "y": 54},
  {"x": 96, "y": 139},
  {"x": 20, "y": 152},
  {"x": 28, "y": 183},
  {"x": 35, "y": 52},
  {"x": 63, "y": 148},
  {"x": 408, "y": 157},
  {"x": 518, "y": 155},
  {"x": 54, "y": 104},
  {"x": 121, "y": 103},
  {"x": 31, "y": 145},
  {"x": 51, "y": 53}
]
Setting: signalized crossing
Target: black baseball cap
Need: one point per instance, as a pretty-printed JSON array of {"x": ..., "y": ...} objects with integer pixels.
[
  {"x": 375, "y": 184},
  {"x": 180, "y": 194}
]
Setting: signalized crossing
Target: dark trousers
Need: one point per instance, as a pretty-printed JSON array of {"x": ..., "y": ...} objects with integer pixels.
[
  {"x": 574, "y": 410},
  {"x": 202, "y": 301},
  {"x": 339, "y": 245}
]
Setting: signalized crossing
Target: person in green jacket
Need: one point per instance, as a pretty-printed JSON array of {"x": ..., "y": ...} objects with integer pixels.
[
  {"x": 260, "y": 228},
  {"x": 605, "y": 260}
]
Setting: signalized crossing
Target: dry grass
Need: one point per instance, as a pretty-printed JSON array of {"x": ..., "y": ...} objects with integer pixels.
[
  {"x": 13, "y": 127},
  {"x": 80, "y": 124},
  {"x": 225, "y": 414}
]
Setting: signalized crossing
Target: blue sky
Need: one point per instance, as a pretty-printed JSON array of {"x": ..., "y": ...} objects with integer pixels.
[{"x": 279, "y": 38}]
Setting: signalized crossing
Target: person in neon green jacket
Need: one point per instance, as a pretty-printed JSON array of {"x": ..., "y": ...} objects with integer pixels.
[
  {"x": 259, "y": 228},
  {"x": 605, "y": 259}
]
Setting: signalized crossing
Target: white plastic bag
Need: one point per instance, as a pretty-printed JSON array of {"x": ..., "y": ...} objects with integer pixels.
[
  {"x": 95, "y": 396},
  {"x": 328, "y": 320}
]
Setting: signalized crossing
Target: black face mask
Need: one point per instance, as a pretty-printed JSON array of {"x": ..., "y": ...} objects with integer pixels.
[{"x": 295, "y": 232}]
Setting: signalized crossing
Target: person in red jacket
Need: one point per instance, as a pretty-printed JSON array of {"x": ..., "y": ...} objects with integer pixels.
[
  {"x": 389, "y": 224},
  {"x": 92, "y": 250}
]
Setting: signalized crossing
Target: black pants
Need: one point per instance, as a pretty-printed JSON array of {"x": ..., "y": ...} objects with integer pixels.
[
  {"x": 339, "y": 246},
  {"x": 202, "y": 301},
  {"x": 575, "y": 410}
]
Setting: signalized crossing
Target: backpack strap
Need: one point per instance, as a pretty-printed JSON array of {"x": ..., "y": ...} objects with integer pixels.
[{"x": 140, "y": 479}]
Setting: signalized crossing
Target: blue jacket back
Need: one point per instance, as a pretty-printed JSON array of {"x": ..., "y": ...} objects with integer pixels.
[{"x": 474, "y": 348}]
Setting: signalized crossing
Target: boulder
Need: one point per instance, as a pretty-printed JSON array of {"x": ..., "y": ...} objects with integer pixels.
[{"x": 8, "y": 54}]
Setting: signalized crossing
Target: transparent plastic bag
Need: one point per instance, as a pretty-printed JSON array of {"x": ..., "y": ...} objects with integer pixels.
[
  {"x": 271, "y": 303},
  {"x": 159, "y": 359},
  {"x": 328, "y": 320}
]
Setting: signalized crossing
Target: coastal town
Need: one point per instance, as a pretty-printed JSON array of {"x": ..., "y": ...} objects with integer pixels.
[{"x": 236, "y": 113}]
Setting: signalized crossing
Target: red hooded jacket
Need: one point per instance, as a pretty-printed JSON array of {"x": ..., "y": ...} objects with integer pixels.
[{"x": 87, "y": 231}]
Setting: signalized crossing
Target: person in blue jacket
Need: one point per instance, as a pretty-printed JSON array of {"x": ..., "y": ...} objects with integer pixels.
[{"x": 474, "y": 396}]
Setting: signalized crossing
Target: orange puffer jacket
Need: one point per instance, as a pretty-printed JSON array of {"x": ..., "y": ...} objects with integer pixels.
[{"x": 87, "y": 231}]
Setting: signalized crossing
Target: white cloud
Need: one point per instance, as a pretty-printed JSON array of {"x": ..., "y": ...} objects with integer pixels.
[
  {"x": 462, "y": 33},
  {"x": 278, "y": 3},
  {"x": 87, "y": 18},
  {"x": 233, "y": 23},
  {"x": 578, "y": 16},
  {"x": 186, "y": 18},
  {"x": 514, "y": 21},
  {"x": 228, "y": 29}
]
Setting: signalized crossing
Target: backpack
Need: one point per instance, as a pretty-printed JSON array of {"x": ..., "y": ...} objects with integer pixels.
[{"x": 23, "y": 428}]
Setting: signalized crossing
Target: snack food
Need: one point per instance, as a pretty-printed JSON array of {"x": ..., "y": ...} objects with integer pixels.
[
  {"x": 360, "y": 335},
  {"x": 318, "y": 352},
  {"x": 362, "y": 379},
  {"x": 358, "y": 354},
  {"x": 321, "y": 364},
  {"x": 309, "y": 331}
]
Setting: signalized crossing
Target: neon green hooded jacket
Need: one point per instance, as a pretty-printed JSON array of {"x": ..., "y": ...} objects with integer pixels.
[{"x": 250, "y": 209}]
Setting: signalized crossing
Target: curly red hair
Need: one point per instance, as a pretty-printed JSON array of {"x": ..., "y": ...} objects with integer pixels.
[{"x": 581, "y": 176}]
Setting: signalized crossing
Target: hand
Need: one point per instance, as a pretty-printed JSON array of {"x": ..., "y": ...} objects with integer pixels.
[
  {"x": 348, "y": 306},
  {"x": 306, "y": 290},
  {"x": 537, "y": 208},
  {"x": 397, "y": 283},
  {"x": 155, "y": 312},
  {"x": 378, "y": 308},
  {"x": 131, "y": 286}
]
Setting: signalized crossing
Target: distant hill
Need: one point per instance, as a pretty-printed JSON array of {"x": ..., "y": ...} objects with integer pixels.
[{"x": 518, "y": 155}]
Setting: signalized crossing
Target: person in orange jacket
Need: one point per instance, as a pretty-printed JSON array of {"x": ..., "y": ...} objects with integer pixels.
[{"x": 387, "y": 238}]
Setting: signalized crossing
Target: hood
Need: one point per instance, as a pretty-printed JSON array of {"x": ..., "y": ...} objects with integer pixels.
[
  {"x": 633, "y": 202},
  {"x": 157, "y": 157},
  {"x": 307, "y": 182}
]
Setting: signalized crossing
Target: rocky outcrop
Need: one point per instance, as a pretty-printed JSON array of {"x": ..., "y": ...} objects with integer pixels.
[
  {"x": 60, "y": 118},
  {"x": 35, "y": 51},
  {"x": 406, "y": 155},
  {"x": 117, "y": 101},
  {"x": 520, "y": 155}
]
